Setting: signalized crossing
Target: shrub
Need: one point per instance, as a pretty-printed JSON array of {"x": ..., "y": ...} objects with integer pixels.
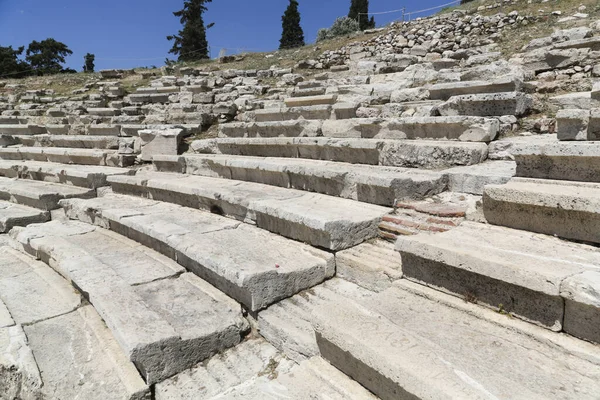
[{"x": 341, "y": 27}]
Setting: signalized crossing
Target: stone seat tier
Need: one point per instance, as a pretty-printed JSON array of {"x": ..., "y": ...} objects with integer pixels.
[
  {"x": 412, "y": 342},
  {"x": 365, "y": 183},
  {"x": 319, "y": 220},
  {"x": 67, "y": 141},
  {"x": 12, "y": 215},
  {"x": 311, "y": 100},
  {"x": 569, "y": 210},
  {"x": 473, "y": 178},
  {"x": 22, "y": 129},
  {"x": 488, "y": 104},
  {"x": 42, "y": 195},
  {"x": 443, "y": 91},
  {"x": 253, "y": 266},
  {"x": 254, "y": 368},
  {"x": 462, "y": 128},
  {"x": 318, "y": 112},
  {"x": 165, "y": 320},
  {"x": 571, "y": 161},
  {"x": 387, "y": 152},
  {"x": 87, "y": 176},
  {"x": 50, "y": 340},
  {"x": 535, "y": 277},
  {"x": 65, "y": 155}
]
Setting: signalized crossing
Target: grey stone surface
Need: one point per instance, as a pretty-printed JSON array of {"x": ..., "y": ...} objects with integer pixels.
[
  {"x": 513, "y": 271},
  {"x": 463, "y": 128},
  {"x": 31, "y": 290},
  {"x": 87, "y": 176},
  {"x": 310, "y": 100},
  {"x": 483, "y": 105},
  {"x": 109, "y": 158},
  {"x": 287, "y": 324},
  {"x": 73, "y": 141},
  {"x": 249, "y": 264},
  {"x": 238, "y": 366},
  {"x": 78, "y": 358},
  {"x": 572, "y": 124},
  {"x": 572, "y": 161},
  {"x": 365, "y": 183},
  {"x": 414, "y": 153},
  {"x": 443, "y": 91},
  {"x": 472, "y": 179},
  {"x": 154, "y": 321},
  {"x": 374, "y": 265},
  {"x": 582, "y": 305},
  {"x": 560, "y": 208},
  {"x": 313, "y": 218},
  {"x": 12, "y": 215},
  {"x": 294, "y": 128},
  {"x": 409, "y": 342},
  {"x": 312, "y": 379},
  {"x": 42, "y": 195},
  {"x": 155, "y": 142},
  {"x": 19, "y": 374}
]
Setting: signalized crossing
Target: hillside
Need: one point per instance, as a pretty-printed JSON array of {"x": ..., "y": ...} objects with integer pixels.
[{"x": 411, "y": 212}]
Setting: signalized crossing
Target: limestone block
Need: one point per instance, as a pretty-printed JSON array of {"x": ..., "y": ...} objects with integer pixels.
[
  {"x": 593, "y": 132},
  {"x": 155, "y": 142},
  {"x": 572, "y": 124}
]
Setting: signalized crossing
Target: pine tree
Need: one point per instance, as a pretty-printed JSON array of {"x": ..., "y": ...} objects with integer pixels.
[
  {"x": 292, "y": 35},
  {"x": 89, "y": 62},
  {"x": 190, "y": 43},
  {"x": 46, "y": 57},
  {"x": 359, "y": 11}
]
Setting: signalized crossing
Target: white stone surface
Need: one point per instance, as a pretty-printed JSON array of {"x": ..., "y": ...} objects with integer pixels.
[{"x": 249, "y": 264}]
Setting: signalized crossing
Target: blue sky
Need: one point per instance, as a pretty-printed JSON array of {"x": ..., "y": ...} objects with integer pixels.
[{"x": 131, "y": 33}]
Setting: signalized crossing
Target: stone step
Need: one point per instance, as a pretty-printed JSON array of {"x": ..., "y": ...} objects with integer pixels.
[
  {"x": 309, "y": 92},
  {"x": 288, "y": 324},
  {"x": 69, "y": 141},
  {"x": 443, "y": 91},
  {"x": 88, "y": 176},
  {"x": 41, "y": 195},
  {"x": 46, "y": 323},
  {"x": 104, "y": 112},
  {"x": 319, "y": 220},
  {"x": 310, "y": 100},
  {"x": 286, "y": 114},
  {"x": 236, "y": 366},
  {"x": 373, "y": 265},
  {"x": 103, "y": 130},
  {"x": 535, "y": 277},
  {"x": 22, "y": 129},
  {"x": 312, "y": 379},
  {"x": 462, "y": 128},
  {"x": 65, "y": 155},
  {"x": 411, "y": 342},
  {"x": 473, "y": 178},
  {"x": 146, "y": 300},
  {"x": 294, "y": 128},
  {"x": 253, "y": 266},
  {"x": 388, "y": 152},
  {"x": 569, "y": 161},
  {"x": 570, "y": 210},
  {"x": 365, "y": 183},
  {"x": 488, "y": 104},
  {"x": 12, "y": 215}
]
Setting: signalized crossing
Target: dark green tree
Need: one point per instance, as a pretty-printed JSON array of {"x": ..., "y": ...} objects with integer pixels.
[
  {"x": 10, "y": 64},
  {"x": 89, "y": 65},
  {"x": 46, "y": 57},
  {"x": 190, "y": 43},
  {"x": 292, "y": 35},
  {"x": 359, "y": 11}
]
